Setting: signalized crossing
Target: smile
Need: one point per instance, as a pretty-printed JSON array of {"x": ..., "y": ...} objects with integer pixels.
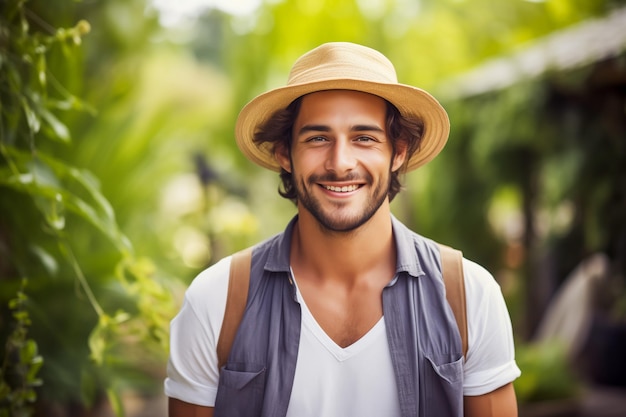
[{"x": 343, "y": 189}]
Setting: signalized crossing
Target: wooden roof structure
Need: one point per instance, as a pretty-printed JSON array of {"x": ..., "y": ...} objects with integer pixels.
[{"x": 574, "y": 47}]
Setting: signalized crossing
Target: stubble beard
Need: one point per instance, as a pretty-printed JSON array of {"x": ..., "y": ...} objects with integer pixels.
[{"x": 329, "y": 220}]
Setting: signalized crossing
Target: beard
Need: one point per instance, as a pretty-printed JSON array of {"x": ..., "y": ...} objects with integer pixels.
[{"x": 333, "y": 218}]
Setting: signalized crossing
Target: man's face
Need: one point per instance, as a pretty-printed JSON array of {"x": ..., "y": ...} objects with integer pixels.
[{"x": 341, "y": 157}]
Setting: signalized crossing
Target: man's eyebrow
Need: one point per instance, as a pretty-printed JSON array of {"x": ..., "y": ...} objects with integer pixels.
[
  {"x": 324, "y": 128},
  {"x": 367, "y": 128},
  {"x": 313, "y": 128}
]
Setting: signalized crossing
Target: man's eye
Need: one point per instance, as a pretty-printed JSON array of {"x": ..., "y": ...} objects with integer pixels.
[
  {"x": 316, "y": 139},
  {"x": 365, "y": 139}
]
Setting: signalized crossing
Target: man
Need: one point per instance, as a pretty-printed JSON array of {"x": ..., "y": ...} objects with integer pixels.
[{"x": 346, "y": 312}]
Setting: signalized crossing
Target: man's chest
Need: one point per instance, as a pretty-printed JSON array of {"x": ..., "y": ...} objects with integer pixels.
[
  {"x": 331, "y": 380},
  {"x": 345, "y": 316}
]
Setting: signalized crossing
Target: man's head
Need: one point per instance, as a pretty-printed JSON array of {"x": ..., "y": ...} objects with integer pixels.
[
  {"x": 338, "y": 157},
  {"x": 344, "y": 66},
  {"x": 403, "y": 132}
]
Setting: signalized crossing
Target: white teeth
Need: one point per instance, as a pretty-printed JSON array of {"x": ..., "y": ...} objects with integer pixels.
[{"x": 344, "y": 189}]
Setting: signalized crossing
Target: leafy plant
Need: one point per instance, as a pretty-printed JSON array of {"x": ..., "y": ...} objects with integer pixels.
[
  {"x": 45, "y": 203},
  {"x": 18, "y": 375}
]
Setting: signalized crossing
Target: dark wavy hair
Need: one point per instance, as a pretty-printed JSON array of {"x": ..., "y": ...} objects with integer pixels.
[{"x": 277, "y": 131}]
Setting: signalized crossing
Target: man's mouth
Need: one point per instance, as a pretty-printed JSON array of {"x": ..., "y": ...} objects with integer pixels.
[{"x": 342, "y": 189}]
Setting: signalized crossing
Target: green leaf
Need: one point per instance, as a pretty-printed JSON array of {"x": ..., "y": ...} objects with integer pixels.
[
  {"x": 48, "y": 261},
  {"x": 59, "y": 130},
  {"x": 121, "y": 317},
  {"x": 35, "y": 366},
  {"x": 17, "y": 302},
  {"x": 116, "y": 402},
  {"x": 42, "y": 173},
  {"x": 29, "y": 396},
  {"x": 97, "y": 344},
  {"x": 41, "y": 70},
  {"x": 53, "y": 210},
  {"x": 70, "y": 102},
  {"x": 32, "y": 119},
  {"x": 49, "y": 182}
]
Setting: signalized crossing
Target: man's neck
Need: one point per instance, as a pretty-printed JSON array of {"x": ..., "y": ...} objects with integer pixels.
[{"x": 345, "y": 256}]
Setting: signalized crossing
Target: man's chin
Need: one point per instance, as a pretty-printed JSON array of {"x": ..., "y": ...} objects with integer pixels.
[{"x": 346, "y": 224}]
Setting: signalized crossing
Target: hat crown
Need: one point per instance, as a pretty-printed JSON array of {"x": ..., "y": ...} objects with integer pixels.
[{"x": 342, "y": 60}]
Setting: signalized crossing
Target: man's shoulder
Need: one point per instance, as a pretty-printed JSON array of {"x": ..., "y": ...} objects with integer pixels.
[
  {"x": 478, "y": 278},
  {"x": 215, "y": 277},
  {"x": 209, "y": 281}
]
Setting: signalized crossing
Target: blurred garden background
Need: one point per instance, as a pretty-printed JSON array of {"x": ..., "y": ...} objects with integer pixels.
[{"x": 120, "y": 179}]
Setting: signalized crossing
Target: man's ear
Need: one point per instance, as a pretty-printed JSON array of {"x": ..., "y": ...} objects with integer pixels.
[
  {"x": 281, "y": 153},
  {"x": 400, "y": 156}
]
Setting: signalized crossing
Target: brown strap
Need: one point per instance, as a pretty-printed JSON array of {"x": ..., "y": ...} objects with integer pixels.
[
  {"x": 452, "y": 269},
  {"x": 236, "y": 299}
]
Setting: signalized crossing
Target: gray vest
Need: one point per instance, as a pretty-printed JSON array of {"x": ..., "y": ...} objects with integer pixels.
[{"x": 422, "y": 334}]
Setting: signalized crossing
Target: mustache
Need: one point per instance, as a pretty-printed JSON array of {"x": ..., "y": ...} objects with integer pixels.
[{"x": 331, "y": 177}]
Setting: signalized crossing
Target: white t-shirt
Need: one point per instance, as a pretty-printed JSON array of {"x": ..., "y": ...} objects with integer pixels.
[
  {"x": 192, "y": 374},
  {"x": 333, "y": 381}
]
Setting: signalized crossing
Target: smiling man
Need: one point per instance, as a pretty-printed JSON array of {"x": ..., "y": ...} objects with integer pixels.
[{"x": 346, "y": 312}]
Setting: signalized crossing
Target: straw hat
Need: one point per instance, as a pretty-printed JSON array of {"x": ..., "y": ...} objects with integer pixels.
[{"x": 344, "y": 66}]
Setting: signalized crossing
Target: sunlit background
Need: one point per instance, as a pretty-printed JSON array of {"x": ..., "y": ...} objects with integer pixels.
[{"x": 120, "y": 179}]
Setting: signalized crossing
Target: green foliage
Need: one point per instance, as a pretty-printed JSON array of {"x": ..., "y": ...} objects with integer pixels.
[
  {"x": 21, "y": 364},
  {"x": 26, "y": 112},
  {"x": 52, "y": 213}
]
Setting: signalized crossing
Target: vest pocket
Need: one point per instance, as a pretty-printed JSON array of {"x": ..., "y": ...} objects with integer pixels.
[
  {"x": 240, "y": 393},
  {"x": 443, "y": 386}
]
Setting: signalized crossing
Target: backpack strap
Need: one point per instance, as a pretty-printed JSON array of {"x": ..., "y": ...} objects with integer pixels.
[
  {"x": 237, "y": 296},
  {"x": 452, "y": 271},
  {"x": 238, "y": 283}
]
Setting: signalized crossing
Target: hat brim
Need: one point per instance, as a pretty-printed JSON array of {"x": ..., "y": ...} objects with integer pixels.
[{"x": 408, "y": 100}]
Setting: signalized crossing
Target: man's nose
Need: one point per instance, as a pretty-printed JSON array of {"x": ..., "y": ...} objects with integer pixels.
[{"x": 341, "y": 157}]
